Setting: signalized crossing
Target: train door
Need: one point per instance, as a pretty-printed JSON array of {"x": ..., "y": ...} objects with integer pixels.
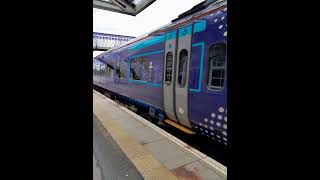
[
  {"x": 182, "y": 74},
  {"x": 176, "y": 68},
  {"x": 169, "y": 74}
]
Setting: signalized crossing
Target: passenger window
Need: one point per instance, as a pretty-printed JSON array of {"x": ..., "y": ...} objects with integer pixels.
[
  {"x": 118, "y": 69},
  {"x": 121, "y": 69},
  {"x": 94, "y": 68},
  {"x": 97, "y": 69},
  {"x": 109, "y": 71},
  {"x": 102, "y": 69},
  {"x": 168, "y": 73},
  {"x": 217, "y": 62},
  {"x": 139, "y": 69},
  {"x": 183, "y": 65}
]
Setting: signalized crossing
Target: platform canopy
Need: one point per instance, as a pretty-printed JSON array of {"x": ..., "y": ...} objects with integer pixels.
[{"x": 130, "y": 7}]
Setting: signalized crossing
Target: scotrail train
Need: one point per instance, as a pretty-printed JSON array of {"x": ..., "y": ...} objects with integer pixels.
[{"x": 177, "y": 73}]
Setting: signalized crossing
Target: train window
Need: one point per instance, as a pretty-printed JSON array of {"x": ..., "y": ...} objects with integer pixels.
[
  {"x": 109, "y": 71},
  {"x": 94, "y": 68},
  {"x": 139, "y": 69},
  {"x": 106, "y": 71},
  {"x": 121, "y": 69},
  {"x": 97, "y": 70},
  {"x": 102, "y": 70},
  {"x": 182, "y": 72},
  {"x": 217, "y": 62},
  {"x": 168, "y": 73},
  {"x": 118, "y": 69}
]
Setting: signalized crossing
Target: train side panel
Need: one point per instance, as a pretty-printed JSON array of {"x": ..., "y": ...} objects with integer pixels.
[
  {"x": 208, "y": 107},
  {"x": 146, "y": 90}
]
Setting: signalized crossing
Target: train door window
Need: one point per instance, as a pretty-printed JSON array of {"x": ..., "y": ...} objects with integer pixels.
[
  {"x": 168, "y": 73},
  {"x": 182, "y": 72},
  {"x": 217, "y": 62}
]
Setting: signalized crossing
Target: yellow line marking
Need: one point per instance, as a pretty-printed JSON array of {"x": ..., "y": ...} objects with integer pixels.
[{"x": 182, "y": 128}]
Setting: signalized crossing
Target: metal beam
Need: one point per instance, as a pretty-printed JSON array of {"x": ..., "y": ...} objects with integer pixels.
[
  {"x": 99, "y": 4},
  {"x": 130, "y": 7},
  {"x": 103, "y": 42},
  {"x": 124, "y": 6},
  {"x": 101, "y": 49},
  {"x": 143, "y": 4}
]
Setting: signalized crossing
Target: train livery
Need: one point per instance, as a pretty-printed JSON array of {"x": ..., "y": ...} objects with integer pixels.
[{"x": 178, "y": 72}]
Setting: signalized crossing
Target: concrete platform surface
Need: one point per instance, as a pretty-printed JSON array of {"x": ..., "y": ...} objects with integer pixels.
[
  {"x": 155, "y": 153},
  {"x": 109, "y": 161}
]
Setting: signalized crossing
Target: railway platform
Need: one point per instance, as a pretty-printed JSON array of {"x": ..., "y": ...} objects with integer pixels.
[{"x": 126, "y": 146}]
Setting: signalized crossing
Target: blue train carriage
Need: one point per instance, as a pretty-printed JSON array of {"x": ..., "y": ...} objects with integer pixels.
[{"x": 178, "y": 73}]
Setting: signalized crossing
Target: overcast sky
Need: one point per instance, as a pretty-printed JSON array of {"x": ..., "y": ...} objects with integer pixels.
[{"x": 158, "y": 14}]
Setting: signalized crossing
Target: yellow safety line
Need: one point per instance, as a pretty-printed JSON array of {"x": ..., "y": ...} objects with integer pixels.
[{"x": 182, "y": 128}]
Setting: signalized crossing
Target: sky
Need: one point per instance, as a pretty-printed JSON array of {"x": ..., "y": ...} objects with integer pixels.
[{"x": 158, "y": 14}]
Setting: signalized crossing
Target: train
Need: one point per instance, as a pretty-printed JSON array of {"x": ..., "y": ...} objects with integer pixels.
[{"x": 177, "y": 73}]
